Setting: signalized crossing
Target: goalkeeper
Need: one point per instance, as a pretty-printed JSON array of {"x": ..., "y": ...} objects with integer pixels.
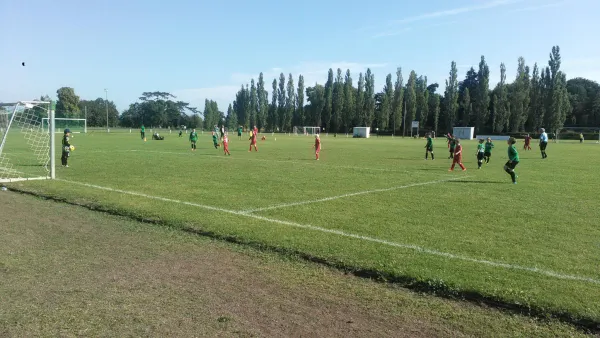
[
  {"x": 193, "y": 139},
  {"x": 66, "y": 148}
]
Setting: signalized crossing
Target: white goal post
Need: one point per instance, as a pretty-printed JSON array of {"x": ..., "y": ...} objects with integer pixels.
[
  {"x": 61, "y": 123},
  {"x": 306, "y": 131},
  {"x": 27, "y": 151}
]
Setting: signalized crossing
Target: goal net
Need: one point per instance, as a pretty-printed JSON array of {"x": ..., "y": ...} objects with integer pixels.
[
  {"x": 60, "y": 124},
  {"x": 306, "y": 130},
  {"x": 24, "y": 145}
]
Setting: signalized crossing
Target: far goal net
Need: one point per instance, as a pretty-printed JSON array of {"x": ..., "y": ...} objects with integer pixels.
[
  {"x": 76, "y": 126},
  {"x": 306, "y": 131},
  {"x": 24, "y": 145}
]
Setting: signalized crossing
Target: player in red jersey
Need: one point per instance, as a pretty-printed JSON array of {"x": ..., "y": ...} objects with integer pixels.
[
  {"x": 255, "y": 131},
  {"x": 527, "y": 145},
  {"x": 226, "y": 145},
  {"x": 317, "y": 146},
  {"x": 252, "y": 141},
  {"x": 457, "y": 156}
]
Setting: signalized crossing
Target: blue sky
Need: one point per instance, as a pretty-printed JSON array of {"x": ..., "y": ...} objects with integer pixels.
[{"x": 207, "y": 49}]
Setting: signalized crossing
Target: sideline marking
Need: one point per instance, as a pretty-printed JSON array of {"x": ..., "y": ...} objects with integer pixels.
[
  {"x": 416, "y": 248},
  {"x": 364, "y": 192}
]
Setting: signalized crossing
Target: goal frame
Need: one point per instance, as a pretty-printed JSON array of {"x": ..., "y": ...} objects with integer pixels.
[
  {"x": 44, "y": 119},
  {"x": 303, "y": 130},
  {"x": 52, "y": 141},
  {"x": 595, "y": 129}
]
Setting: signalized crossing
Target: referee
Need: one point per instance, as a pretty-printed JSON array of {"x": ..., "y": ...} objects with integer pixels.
[{"x": 543, "y": 142}]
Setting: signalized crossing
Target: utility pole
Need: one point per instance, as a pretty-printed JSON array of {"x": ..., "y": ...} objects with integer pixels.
[{"x": 106, "y": 92}]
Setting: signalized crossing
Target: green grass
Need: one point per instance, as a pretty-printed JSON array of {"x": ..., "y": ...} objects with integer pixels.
[
  {"x": 548, "y": 221},
  {"x": 67, "y": 271}
]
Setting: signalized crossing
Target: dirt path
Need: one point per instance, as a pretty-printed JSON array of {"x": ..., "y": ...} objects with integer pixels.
[{"x": 67, "y": 271}]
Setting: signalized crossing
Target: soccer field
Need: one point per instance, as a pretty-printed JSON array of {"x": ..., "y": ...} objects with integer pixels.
[{"x": 373, "y": 205}]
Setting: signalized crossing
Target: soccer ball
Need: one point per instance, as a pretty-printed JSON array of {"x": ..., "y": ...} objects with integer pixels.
[{"x": 72, "y": 148}]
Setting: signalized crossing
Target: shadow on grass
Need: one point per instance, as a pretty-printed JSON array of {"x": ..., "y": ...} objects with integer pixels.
[{"x": 430, "y": 286}]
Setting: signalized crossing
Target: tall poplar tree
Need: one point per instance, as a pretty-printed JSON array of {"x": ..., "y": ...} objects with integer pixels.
[
  {"x": 482, "y": 96},
  {"x": 253, "y": 104},
  {"x": 388, "y": 100},
  {"x": 411, "y": 98},
  {"x": 300, "y": 118},
  {"x": 338, "y": 102},
  {"x": 263, "y": 102},
  {"x": 361, "y": 119},
  {"x": 281, "y": 101},
  {"x": 327, "y": 110},
  {"x": 397, "y": 107},
  {"x": 290, "y": 104},
  {"x": 273, "y": 121},
  {"x": 501, "y": 105},
  {"x": 349, "y": 107},
  {"x": 369, "y": 99},
  {"x": 451, "y": 97}
]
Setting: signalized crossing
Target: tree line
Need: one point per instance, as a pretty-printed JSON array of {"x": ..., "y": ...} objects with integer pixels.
[{"x": 536, "y": 97}]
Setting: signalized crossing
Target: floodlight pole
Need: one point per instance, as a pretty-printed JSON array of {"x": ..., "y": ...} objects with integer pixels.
[{"x": 106, "y": 92}]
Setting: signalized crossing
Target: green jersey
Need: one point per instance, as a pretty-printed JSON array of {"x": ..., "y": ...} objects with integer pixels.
[
  {"x": 488, "y": 147},
  {"x": 452, "y": 144},
  {"x": 215, "y": 138},
  {"x": 429, "y": 142},
  {"x": 240, "y": 130},
  {"x": 193, "y": 136},
  {"x": 143, "y": 129},
  {"x": 513, "y": 155},
  {"x": 480, "y": 148}
]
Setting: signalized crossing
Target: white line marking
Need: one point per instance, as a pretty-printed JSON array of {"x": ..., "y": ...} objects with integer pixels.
[
  {"x": 416, "y": 248},
  {"x": 286, "y": 205},
  {"x": 309, "y": 163}
]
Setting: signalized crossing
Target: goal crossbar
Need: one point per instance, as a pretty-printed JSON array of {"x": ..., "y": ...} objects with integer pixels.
[{"x": 45, "y": 124}]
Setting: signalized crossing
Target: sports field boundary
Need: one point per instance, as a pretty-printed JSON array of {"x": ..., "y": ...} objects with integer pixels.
[{"x": 428, "y": 286}]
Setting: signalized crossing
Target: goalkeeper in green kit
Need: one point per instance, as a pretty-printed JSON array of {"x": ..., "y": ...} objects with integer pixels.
[
  {"x": 429, "y": 147},
  {"x": 193, "y": 139}
]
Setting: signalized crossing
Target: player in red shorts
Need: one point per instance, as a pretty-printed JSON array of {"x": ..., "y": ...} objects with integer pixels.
[
  {"x": 527, "y": 145},
  {"x": 317, "y": 146},
  {"x": 457, "y": 156},
  {"x": 226, "y": 145},
  {"x": 252, "y": 141}
]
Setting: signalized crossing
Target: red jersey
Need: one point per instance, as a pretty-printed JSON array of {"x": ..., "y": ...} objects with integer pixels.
[
  {"x": 253, "y": 138},
  {"x": 255, "y": 131},
  {"x": 225, "y": 141},
  {"x": 317, "y": 143},
  {"x": 458, "y": 150},
  {"x": 527, "y": 139}
]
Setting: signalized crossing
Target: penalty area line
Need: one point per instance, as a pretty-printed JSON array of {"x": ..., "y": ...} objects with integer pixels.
[
  {"x": 415, "y": 248},
  {"x": 364, "y": 192}
]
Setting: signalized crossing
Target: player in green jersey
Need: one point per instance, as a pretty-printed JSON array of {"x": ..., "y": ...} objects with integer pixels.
[
  {"x": 480, "y": 153},
  {"x": 452, "y": 146},
  {"x": 143, "y": 132},
  {"x": 193, "y": 139},
  {"x": 488, "y": 150},
  {"x": 215, "y": 140},
  {"x": 240, "y": 131},
  {"x": 429, "y": 147},
  {"x": 513, "y": 159},
  {"x": 66, "y": 148}
]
